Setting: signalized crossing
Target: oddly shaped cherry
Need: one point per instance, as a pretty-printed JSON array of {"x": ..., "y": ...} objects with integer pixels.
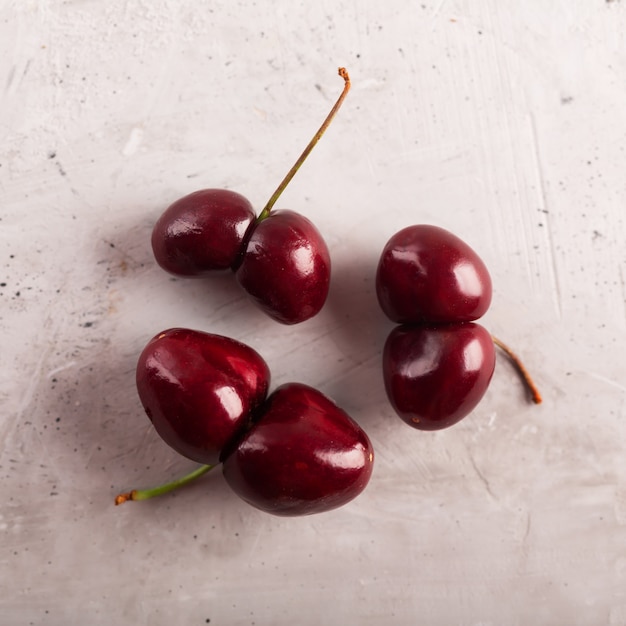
[
  {"x": 286, "y": 267},
  {"x": 303, "y": 455},
  {"x": 435, "y": 375},
  {"x": 199, "y": 390},
  {"x": 202, "y": 232},
  {"x": 427, "y": 274}
]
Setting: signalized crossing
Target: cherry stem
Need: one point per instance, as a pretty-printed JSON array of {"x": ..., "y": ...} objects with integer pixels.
[
  {"x": 519, "y": 366},
  {"x": 146, "y": 494},
  {"x": 318, "y": 135}
]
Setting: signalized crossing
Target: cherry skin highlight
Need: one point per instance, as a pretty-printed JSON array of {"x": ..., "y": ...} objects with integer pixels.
[
  {"x": 286, "y": 267},
  {"x": 199, "y": 390},
  {"x": 428, "y": 275},
  {"x": 202, "y": 232},
  {"x": 303, "y": 455},
  {"x": 436, "y": 375}
]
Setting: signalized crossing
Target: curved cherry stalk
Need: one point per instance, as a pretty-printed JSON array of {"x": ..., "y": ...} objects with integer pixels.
[
  {"x": 521, "y": 370},
  {"x": 146, "y": 494},
  {"x": 318, "y": 135}
]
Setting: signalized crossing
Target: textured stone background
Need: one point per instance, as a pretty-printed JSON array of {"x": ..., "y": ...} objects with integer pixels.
[{"x": 503, "y": 121}]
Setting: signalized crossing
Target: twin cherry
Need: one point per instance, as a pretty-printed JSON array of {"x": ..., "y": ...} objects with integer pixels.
[
  {"x": 294, "y": 452},
  {"x": 438, "y": 363},
  {"x": 279, "y": 258}
]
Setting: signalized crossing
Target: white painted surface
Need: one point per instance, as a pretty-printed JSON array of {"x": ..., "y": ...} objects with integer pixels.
[{"x": 503, "y": 121}]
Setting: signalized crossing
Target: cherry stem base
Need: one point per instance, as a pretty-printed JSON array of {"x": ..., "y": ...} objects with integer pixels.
[
  {"x": 521, "y": 369},
  {"x": 146, "y": 494}
]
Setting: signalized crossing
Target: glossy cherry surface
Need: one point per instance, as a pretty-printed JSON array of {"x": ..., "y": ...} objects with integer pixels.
[
  {"x": 202, "y": 232},
  {"x": 303, "y": 455},
  {"x": 286, "y": 267},
  {"x": 427, "y": 274},
  {"x": 199, "y": 390},
  {"x": 435, "y": 375}
]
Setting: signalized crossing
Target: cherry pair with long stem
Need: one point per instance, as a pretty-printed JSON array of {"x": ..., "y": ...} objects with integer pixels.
[{"x": 279, "y": 258}]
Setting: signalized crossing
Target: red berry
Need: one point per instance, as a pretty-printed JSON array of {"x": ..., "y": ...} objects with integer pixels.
[
  {"x": 427, "y": 274},
  {"x": 436, "y": 375},
  {"x": 303, "y": 455},
  {"x": 202, "y": 232},
  {"x": 199, "y": 390},
  {"x": 286, "y": 267}
]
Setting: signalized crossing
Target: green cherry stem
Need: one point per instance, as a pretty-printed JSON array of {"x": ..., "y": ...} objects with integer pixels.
[
  {"x": 146, "y": 494},
  {"x": 521, "y": 369},
  {"x": 318, "y": 135}
]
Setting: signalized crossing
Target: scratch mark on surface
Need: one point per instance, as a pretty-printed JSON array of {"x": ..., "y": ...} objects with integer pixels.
[
  {"x": 527, "y": 530},
  {"x": 56, "y": 370},
  {"x": 35, "y": 378},
  {"x": 10, "y": 79},
  {"x": 134, "y": 141},
  {"x": 607, "y": 381},
  {"x": 558, "y": 297},
  {"x": 482, "y": 477},
  {"x": 309, "y": 342},
  {"x": 437, "y": 10},
  {"x": 228, "y": 306},
  {"x": 256, "y": 542},
  {"x": 11, "y": 83},
  {"x": 349, "y": 370},
  {"x": 623, "y": 285}
]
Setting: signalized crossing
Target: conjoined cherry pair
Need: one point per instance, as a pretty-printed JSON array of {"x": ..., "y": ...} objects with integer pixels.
[
  {"x": 293, "y": 451},
  {"x": 279, "y": 258},
  {"x": 438, "y": 364}
]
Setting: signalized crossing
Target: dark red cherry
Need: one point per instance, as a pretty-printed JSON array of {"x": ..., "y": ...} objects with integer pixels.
[
  {"x": 303, "y": 455},
  {"x": 286, "y": 267},
  {"x": 436, "y": 375},
  {"x": 199, "y": 390},
  {"x": 202, "y": 232},
  {"x": 427, "y": 274}
]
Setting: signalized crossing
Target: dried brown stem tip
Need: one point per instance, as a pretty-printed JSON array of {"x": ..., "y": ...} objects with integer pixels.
[
  {"x": 519, "y": 366},
  {"x": 124, "y": 497}
]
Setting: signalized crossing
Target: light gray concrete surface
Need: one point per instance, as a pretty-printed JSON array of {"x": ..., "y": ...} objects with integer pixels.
[{"x": 502, "y": 121}]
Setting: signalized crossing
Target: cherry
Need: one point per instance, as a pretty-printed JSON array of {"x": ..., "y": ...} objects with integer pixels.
[
  {"x": 199, "y": 390},
  {"x": 436, "y": 375},
  {"x": 280, "y": 258},
  {"x": 202, "y": 232},
  {"x": 286, "y": 267},
  {"x": 427, "y": 274},
  {"x": 303, "y": 455},
  {"x": 294, "y": 453}
]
